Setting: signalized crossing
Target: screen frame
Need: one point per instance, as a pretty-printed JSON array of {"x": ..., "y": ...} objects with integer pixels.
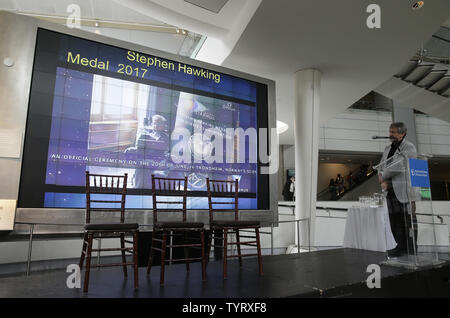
[{"x": 77, "y": 215}]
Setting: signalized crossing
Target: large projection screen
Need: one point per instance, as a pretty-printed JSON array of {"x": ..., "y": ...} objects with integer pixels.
[{"x": 113, "y": 110}]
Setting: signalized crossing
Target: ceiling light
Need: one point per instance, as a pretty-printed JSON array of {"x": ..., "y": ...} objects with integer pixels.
[
  {"x": 183, "y": 31},
  {"x": 281, "y": 127},
  {"x": 96, "y": 24},
  {"x": 418, "y": 5},
  {"x": 8, "y": 61}
]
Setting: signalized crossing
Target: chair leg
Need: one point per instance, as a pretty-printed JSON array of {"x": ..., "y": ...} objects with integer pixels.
[
  {"x": 83, "y": 250},
  {"x": 238, "y": 245},
  {"x": 218, "y": 244},
  {"x": 124, "y": 259},
  {"x": 186, "y": 251},
  {"x": 202, "y": 240},
  {"x": 150, "y": 258},
  {"x": 225, "y": 256},
  {"x": 163, "y": 257},
  {"x": 135, "y": 260},
  {"x": 258, "y": 245},
  {"x": 88, "y": 262},
  {"x": 208, "y": 247}
]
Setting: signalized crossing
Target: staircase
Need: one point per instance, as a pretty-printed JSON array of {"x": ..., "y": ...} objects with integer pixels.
[
  {"x": 432, "y": 77},
  {"x": 423, "y": 82},
  {"x": 358, "y": 180}
]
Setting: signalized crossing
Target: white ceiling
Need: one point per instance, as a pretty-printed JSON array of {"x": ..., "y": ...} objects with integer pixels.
[
  {"x": 114, "y": 20},
  {"x": 285, "y": 36},
  {"x": 275, "y": 38},
  {"x": 222, "y": 29},
  {"x": 100, "y": 9}
]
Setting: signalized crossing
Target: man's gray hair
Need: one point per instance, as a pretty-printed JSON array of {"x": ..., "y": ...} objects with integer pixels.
[
  {"x": 401, "y": 127},
  {"x": 159, "y": 118}
]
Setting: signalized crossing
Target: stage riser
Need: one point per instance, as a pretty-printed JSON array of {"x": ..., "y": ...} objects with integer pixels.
[{"x": 426, "y": 283}]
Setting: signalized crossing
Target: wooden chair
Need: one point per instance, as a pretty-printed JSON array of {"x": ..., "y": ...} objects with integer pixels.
[
  {"x": 97, "y": 186},
  {"x": 172, "y": 187},
  {"x": 225, "y": 193}
]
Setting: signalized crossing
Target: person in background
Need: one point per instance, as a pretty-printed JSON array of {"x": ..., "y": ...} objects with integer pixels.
[
  {"x": 292, "y": 189},
  {"x": 350, "y": 180},
  {"x": 332, "y": 189},
  {"x": 340, "y": 183},
  {"x": 287, "y": 196},
  {"x": 152, "y": 143}
]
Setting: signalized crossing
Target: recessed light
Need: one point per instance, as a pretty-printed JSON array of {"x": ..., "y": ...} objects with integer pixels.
[
  {"x": 418, "y": 5},
  {"x": 281, "y": 127},
  {"x": 8, "y": 61}
]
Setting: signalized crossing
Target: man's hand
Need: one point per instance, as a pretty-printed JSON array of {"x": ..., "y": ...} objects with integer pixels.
[{"x": 384, "y": 186}]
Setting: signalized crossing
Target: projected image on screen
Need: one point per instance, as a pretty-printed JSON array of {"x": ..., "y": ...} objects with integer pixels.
[
  {"x": 113, "y": 123},
  {"x": 128, "y": 131}
]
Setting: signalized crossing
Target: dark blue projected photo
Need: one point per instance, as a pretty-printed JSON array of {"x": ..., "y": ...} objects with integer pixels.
[{"x": 113, "y": 111}]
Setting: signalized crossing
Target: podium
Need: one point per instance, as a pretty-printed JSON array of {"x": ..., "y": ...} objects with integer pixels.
[{"x": 408, "y": 197}]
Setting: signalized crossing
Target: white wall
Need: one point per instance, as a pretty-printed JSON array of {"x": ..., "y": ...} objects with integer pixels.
[
  {"x": 433, "y": 135},
  {"x": 353, "y": 129},
  {"x": 289, "y": 157},
  {"x": 330, "y": 225}
]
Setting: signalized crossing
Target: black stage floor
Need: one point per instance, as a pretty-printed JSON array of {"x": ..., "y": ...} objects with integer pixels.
[{"x": 328, "y": 273}]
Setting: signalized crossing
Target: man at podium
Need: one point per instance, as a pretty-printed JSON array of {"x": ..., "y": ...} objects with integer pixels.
[{"x": 392, "y": 181}]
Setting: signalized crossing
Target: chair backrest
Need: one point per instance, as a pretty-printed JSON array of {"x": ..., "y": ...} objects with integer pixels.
[
  {"x": 100, "y": 184},
  {"x": 217, "y": 191},
  {"x": 169, "y": 187}
]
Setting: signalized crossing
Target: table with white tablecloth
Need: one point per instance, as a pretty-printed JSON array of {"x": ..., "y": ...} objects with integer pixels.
[{"x": 368, "y": 228}]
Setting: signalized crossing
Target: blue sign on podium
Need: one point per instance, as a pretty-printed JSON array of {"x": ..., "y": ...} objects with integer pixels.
[{"x": 418, "y": 170}]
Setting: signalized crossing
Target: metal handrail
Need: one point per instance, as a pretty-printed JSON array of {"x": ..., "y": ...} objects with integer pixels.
[
  {"x": 33, "y": 224},
  {"x": 330, "y": 208},
  {"x": 269, "y": 224},
  {"x": 38, "y": 223},
  {"x": 298, "y": 233},
  {"x": 439, "y": 216},
  {"x": 30, "y": 240},
  {"x": 331, "y": 217},
  {"x": 287, "y": 205}
]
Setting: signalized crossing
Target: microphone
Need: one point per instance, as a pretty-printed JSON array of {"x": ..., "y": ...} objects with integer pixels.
[{"x": 380, "y": 137}]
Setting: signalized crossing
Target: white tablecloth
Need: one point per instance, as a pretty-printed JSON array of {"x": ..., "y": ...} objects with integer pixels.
[{"x": 368, "y": 228}]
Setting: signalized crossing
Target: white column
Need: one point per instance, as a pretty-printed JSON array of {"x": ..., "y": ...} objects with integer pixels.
[{"x": 306, "y": 130}]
